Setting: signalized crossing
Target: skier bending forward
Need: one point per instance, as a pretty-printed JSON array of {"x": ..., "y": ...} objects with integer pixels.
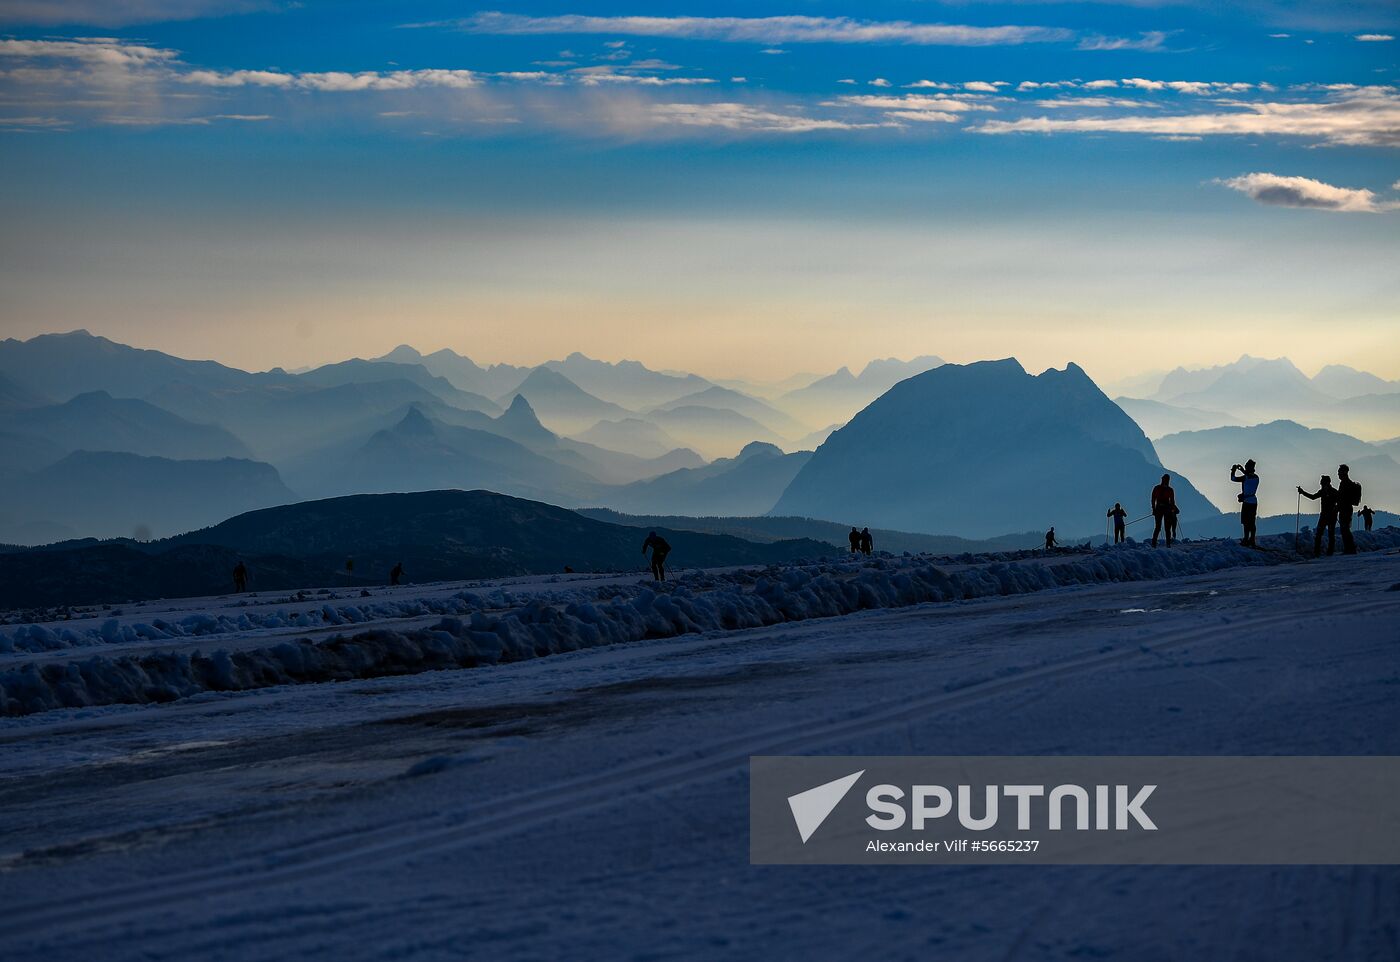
[{"x": 659, "y": 550}]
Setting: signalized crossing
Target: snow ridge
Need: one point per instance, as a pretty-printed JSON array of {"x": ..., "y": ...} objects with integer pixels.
[{"x": 707, "y": 601}]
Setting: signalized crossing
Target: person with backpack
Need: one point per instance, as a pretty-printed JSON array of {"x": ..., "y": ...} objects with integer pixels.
[
  {"x": 1050, "y": 543},
  {"x": 1348, "y": 497},
  {"x": 1245, "y": 476},
  {"x": 1368, "y": 516},
  {"x": 854, "y": 539},
  {"x": 867, "y": 542},
  {"x": 1327, "y": 516},
  {"x": 1163, "y": 506},
  {"x": 1120, "y": 526},
  {"x": 660, "y": 548}
]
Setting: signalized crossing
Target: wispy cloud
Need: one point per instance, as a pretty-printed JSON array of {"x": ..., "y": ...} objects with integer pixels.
[
  {"x": 763, "y": 30},
  {"x": 738, "y": 117},
  {"x": 1280, "y": 191},
  {"x": 1364, "y": 117},
  {"x": 1148, "y": 40},
  {"x": 1374, "y": 37}
]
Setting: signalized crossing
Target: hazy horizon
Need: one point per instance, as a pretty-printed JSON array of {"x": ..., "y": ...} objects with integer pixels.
[{"x": 1103, "y": 379}]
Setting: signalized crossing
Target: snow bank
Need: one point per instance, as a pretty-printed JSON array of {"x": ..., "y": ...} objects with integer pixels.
[{"x": 605, "y": 615}]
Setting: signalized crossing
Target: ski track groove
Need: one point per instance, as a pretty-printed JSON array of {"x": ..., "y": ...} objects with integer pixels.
[{"x": 526, "y": 810}]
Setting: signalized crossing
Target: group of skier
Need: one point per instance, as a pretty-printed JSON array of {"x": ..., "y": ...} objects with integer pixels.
[{"x": 1337, "y": 506}]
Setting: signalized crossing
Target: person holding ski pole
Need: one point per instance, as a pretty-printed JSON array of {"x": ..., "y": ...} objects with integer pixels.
[
  {"x": 1367, "y": 515},
  {"x": 1245, "y": 476},
  {"x": 1163, "y": 504},
  {"x": 1120, "y": 530},
  {"x": 1327, "y": 516}
]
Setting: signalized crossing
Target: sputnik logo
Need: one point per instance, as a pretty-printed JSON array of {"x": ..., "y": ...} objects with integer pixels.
[{"x": 810, "y": 808}]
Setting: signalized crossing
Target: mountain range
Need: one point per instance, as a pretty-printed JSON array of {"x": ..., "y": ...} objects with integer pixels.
[
  {"x": 1288, "y": 455},
  {"x": 890, "y": 442},
  {"x": 1255, "y": 390}
]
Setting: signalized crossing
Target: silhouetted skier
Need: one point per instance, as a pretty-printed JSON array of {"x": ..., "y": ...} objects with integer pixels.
[
  {"x": 659, "y": 550},
  {"x": 1120, "y": 526},
  {"x": 854, "y": 539},
  {"x": 1348, "y": 497},
  {"x": 1050, "y": 543},
  {"x": 1172, "y": 520},
  {"x": 1368, "y": 516},
  {"x": 1163, "y": 508},
  {"x": 396, "y": 574},
  {"x": 1327, "y": 515},
  {"x": 240, "y": 577},
  {"x": 867, "y": 542},
  {"x": 1248, "y": 498}
]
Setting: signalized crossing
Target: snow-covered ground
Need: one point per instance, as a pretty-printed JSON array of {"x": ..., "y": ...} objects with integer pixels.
[{"x": 593, "y": 804}]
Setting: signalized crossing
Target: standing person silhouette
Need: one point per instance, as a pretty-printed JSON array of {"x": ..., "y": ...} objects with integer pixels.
[
  {"x": 1327, "y": 515},
  {"x": 1163, "y": 508},
  {"x": 240, "y": 577},
  {"x": 1367, "y": 515},
  {"x": 1050, "y": 542},
  {"x": 396, "y": 574},
  {"x": 1348, "y": 497},
  {"x": 854, "y": 539},
  {"x": 660, "y": 548},
  {"x": 1120, "y": 526},
  {"x": 867, "y": 541},
  {"x": 1245, "y": 477}
]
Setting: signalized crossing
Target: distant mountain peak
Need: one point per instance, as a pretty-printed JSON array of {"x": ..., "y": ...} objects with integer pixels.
[
  {"x": 415, "y": 424},
  {"x": 755, "y": 449}
]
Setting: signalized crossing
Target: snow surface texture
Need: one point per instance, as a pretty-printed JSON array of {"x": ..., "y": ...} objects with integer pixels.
[
  {"x": 594, "y": 804},
  {"x": 498, "y": 628}
]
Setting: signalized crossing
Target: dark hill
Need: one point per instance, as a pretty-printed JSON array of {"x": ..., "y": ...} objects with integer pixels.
[{"x": 438, "y": 535}]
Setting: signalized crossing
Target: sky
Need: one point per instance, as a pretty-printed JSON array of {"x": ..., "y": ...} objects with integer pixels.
[{"x": 738, "y": 189}]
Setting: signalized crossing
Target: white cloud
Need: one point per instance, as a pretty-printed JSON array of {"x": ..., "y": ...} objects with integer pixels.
[
  {"x": 102, "y": 52},
  {"x": 1374, "y": 37},
  {"x": 923, "y": 116},
  {"x": 983, "y": 86},
  {"x": 1280, "y": 36},
  {"x": 1088, "y": 103},
  {"x": 1279, "y": 191},
  {"x": 738, "y": 117},
  {"x": 1142, "y": 84},
  {"x": 929, "y": 85},
  {"x": 846, "y": 80},
  {"x": 1100, "y": 84},
  {"x": 1148, "y": 40},
  {"x": 1367, "y": 117},
  {"x": 769, "y": 30},
  {"x": 879, "y": 82},
  {"x": 910, "y": 102},
  {"x": 32, "y": 124}
]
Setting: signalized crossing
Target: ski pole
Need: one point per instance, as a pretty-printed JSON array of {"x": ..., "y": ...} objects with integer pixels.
[{"x": 1297, "y": 520}]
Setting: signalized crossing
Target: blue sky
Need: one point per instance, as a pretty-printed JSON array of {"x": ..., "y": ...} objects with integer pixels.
[{"x": 733, "y": 188}]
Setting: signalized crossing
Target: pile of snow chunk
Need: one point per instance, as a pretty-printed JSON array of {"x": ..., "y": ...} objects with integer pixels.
[{"x": 706, "y": 601}]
